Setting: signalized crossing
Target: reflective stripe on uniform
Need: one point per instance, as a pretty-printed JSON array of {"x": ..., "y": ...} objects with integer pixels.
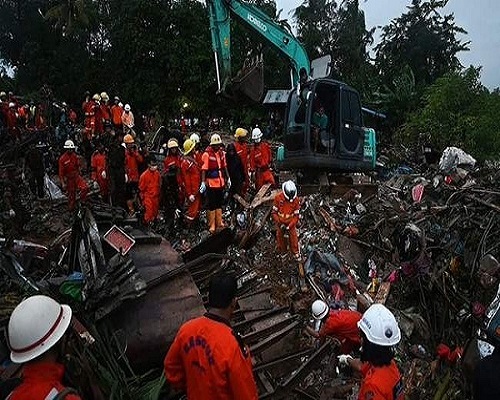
[{"x": 52, "y": 394}]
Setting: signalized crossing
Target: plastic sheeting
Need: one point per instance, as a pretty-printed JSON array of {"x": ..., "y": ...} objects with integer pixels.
[
  {"x": 52, "y": 190},
  {"x": 452, "y": 157}
]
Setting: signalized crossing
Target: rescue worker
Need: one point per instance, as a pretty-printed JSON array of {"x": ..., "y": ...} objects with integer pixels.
[
  {"x": 260, "y": 161},
  {"x": 36, "y": 332},
  {"x": 197, "y": 153},
  {"x": 381, "y": 377},
  {"x": 116, "y": 113},
  {"x": 33, "y": 161},
  {"x": 69, "y": 175},
  {"x": 116, "y": 163},
  {"x": 286, "y": 213},
  {"x": 11, "y": 119},
  {"x": 208, "y": 360},
  {"x": 190, "y": 173},
  {"x": 171, "y": 168},
  {"x": 133, "y": 159},
  {"x": 105, "y": 111},
  {"x": 214, "y": 178},
  {"x": 128, "y": 120},
  {"x": 339, "y": 324},
  {"x": 150, "y": 190},
  {"x": 236, "y": 172},
  {"x": 241, "y": 146},
  {"x": 99, "y": 169},
  {"x": 89, "y": 108}
]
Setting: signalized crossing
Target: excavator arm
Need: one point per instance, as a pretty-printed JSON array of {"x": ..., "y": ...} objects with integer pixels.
[{"x": 281, "y": 38}]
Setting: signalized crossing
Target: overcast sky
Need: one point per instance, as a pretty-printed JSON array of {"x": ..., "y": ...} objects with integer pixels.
[{"x": 480, "y": 18}]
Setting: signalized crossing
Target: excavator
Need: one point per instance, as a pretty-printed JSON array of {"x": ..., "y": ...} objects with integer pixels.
[{"x": 323, "y": 129}]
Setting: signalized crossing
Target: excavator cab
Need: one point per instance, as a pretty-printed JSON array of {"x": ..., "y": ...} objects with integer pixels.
[{"x": 324, "y": 129}]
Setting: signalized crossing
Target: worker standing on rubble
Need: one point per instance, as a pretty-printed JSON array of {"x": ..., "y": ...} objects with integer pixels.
[
  {"x": 214, "y": 178},
  {"x": 150, "y": 190},
  {"x": 105, "y": 113},
  {"x": 241, "y": 145},
  {"x": 133, "y": 158},
  {"x": 197, "y": 153},
  {"x": 36, "y": 332},
  {"x": 116, "y": 113},
  {"x": 339, "y": 324},
  {"x": 190, "y": 173},
  {"x": 236, "y": 173},
  {"x": 69, "y": 175},
  {"x": 128, "y": 120},
  {"x": 286, "y": 214},
  {"x": 33, "y": 160},
  {"x": 381, "y": 377},
  {"x": 260, "y": 159},
  {"x": 172, "y": 166},
  {"x": 99, "y": 170},
  {"x": 208, "y": 360},
  {"x": 116, "y": 162}
]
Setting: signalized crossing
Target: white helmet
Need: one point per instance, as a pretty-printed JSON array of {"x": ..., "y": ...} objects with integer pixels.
[
  {"x": 319, "y": 309},
  {"x": 127, "y": 107},
  {"x": 380, "y": 326},
  {"x": 289, "y": 190},
  {"x": 35, "y": 326},
  {"x": 68, "y": 144},
  {"x": 256, "y": 134},
  {"x": 195, "y": 137}
]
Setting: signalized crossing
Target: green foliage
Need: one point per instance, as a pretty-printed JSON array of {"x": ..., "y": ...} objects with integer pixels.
[
  {"x": 458, "y": 111},
  {"x": 424, "y": 40}
]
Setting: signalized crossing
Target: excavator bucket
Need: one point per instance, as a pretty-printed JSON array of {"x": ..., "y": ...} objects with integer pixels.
[{"x": 250, "y": 79}]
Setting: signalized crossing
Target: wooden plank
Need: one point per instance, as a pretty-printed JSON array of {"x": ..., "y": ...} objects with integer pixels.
[
  {"x": 263, "y": 200},
  {"x": 330, "y": 221},
  {"x": 383, "y": 293},
  {"x": 260, "y": 194},
  {"x": 241, "y": 200}
]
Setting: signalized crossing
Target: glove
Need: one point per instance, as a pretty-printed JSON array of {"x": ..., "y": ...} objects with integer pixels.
[
  {"x": 191, "y": 198},
  {"x": 23, "y": 176},
  {"x": 177, "y": 213},
  {"x": 344, "y": 359},
  {"x": 95, "y": 185},
  {"x": 126, "y": 178},
  {"x": 228, "y": 183},
  {"x": 103, "y": 174},
  {"x": 203, "y": 187},
  {"x": 12, "y": 213}
]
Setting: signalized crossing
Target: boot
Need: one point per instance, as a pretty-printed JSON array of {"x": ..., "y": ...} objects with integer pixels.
[
  {"x": 211, "y": 221},
  {"x": 219, "y": 223}
]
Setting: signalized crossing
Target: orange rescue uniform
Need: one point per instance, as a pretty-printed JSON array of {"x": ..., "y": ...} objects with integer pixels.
[
  {"x": 116, "y": 115},
  {"x": 208, "y": 362},
  {"x": 191, "y": 180},
  {"x": 381, "y": 383},
  {"x": 98, "y": 164},
  {"x": 260, "y": 163},
  {"x": 149, "y": 191},
  {"x": 89, "y": 109},
  {"x": 343, "y": 325},
  {"x": 132, "y": 160},
  {"x": 41, "y": 380},
  {"x": 69, "y": 173},
  {"x": 286, "y": 213}
]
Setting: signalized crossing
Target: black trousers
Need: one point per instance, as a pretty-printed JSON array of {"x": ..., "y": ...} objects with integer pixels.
[{"x": 215, "y": 197}]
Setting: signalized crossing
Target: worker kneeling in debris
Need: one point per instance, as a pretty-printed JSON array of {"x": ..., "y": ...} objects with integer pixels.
[
  {"x": 381, "y": 378},
  {"x": 36, "y": 333},
  {"x": 339, "y": 324},
  {"x": 214, "y": 178},
  {"x": 208, "y": 359},
  {"x": 285, "y": 213},
  {"x": 149, "y": 191}
]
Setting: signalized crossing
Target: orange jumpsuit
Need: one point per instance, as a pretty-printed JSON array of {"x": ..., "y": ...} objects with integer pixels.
[
  {"x": 242, "y": 151},
  {"x": 11, "y": 120},
  {"x": 98, "y": 163},
  {"x": 69, "y": 172},
  {"x": 207, "y": 361},
  {"x": 260, "y": 163},
  {"x": 286, "y": 213},
  {"x": 41, "y": 380},
  {"x": 132, "y": 160},
  {"x": 343, "y": 325},
  {"x": 116, "y": 115},
  {"x": 149, "y": 191},
  {"x": 89, "y": 121},
  {"x": 191, "y": 180},
  {"x": 198, "y": 156},
  {"x": 381, "y": 383},
  {"x": 105, "y": 114}
]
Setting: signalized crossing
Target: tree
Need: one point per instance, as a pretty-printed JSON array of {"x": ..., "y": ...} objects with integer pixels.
[
  {"x": 424, "y": 40},
  {"x": 458, "y": 111}
]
